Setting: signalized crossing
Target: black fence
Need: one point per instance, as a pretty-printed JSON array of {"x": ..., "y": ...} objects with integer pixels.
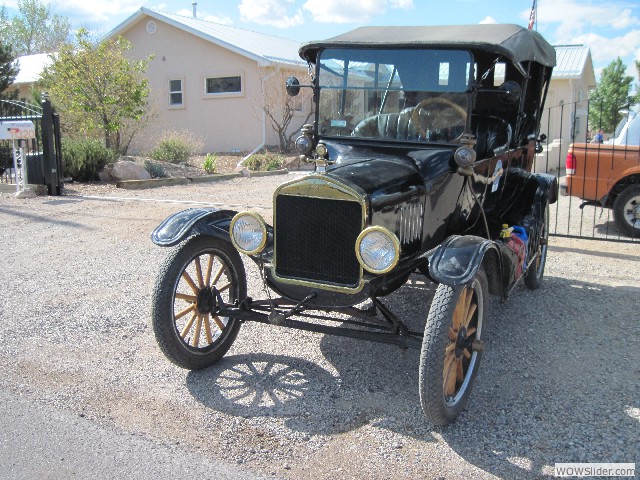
[
  {"x": 37, "y": 160},
  {"x": 600, "y": 189}
]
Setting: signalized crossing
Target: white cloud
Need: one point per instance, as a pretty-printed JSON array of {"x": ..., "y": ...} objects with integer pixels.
[
  {"x": 488, "y": 20},
  {"x": 94, "y": 11},
  {"x": 575, "y": 16},
  {"x": 271, "y": 12},
  {"x": 605, "y": 49},
  {"x": 351, "y": 11}
]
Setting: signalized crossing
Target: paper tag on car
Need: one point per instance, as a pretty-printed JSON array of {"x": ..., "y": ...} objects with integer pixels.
[{"x": 497, "y": 173}]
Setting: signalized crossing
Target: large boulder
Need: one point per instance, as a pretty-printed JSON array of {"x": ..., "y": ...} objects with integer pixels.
[{"x": 124, "y": 170}]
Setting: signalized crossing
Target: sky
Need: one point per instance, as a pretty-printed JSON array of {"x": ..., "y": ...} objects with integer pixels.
[{"x": 610, "y": 28}]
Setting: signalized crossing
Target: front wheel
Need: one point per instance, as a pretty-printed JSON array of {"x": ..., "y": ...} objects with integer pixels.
[
  {"x": 626, "y": 211},
  {"x": 196, "y": 276},
  {"x": 451, "y": 348}
]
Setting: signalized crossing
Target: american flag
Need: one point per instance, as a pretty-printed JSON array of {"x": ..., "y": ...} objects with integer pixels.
[{"x": 532, "y": 16}]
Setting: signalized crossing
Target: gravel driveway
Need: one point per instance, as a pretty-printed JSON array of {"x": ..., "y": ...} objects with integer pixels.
[{"x": 559, "y": 382}]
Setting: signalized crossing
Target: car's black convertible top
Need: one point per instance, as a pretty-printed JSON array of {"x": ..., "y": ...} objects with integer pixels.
[{"x": 513, "y": 41}]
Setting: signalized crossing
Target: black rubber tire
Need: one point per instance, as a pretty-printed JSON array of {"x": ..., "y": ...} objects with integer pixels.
[
  {"x": 629, "y": 197},
  {"x": 438, "y": 409},
  {"x": 183, "y": 256},
  {"x": 533, "y": 276}
]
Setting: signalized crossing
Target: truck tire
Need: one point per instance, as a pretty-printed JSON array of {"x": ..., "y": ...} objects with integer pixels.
[{"x": 626, "y": 211}]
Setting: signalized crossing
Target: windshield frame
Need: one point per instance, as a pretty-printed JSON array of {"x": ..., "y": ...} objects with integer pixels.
[{"x": 463, "y": 93}]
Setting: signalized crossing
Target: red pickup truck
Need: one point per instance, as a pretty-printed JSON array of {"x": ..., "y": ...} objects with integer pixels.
[{"x": 609, "y": 174}]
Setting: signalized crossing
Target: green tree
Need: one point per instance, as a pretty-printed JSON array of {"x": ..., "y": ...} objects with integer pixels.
[
  {"x": 97, "y": 87},
  {"x": 610, "y": 96},
  {"x": 34, "y": 29},
  {"x": 8, "y": 68}
]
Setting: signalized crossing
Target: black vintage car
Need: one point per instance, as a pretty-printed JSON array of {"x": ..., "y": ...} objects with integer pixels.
[{"x": 423, "y": 141}]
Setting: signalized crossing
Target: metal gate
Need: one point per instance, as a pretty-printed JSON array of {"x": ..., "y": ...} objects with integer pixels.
[
  {"x": 578, "y": 214},
  {"x": 30, "y": 148}
]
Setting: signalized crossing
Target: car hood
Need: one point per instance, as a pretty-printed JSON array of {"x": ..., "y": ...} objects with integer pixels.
[{"x": 373, "y": 169}]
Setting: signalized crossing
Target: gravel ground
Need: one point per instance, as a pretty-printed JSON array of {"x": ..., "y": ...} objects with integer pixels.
[{"x": 559, "y": 382}]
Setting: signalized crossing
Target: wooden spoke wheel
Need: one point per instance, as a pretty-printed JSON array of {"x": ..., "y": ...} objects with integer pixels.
[
  {"x": 199, "y": 276},
  {"x": 533, "y": 276},
  {"x": 451, "y": 348}
]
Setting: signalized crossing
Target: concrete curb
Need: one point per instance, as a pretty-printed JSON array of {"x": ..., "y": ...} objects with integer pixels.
[
  {"x": 153, "y": 183},
  {"x": 282, "y": 171},
  {"x": 214, "y": 178}
]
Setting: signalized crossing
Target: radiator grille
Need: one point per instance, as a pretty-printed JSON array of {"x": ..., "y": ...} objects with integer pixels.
[{"x": 315, "y": 239}]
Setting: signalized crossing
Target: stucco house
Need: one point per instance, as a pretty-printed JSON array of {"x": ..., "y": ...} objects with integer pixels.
[
  {"x": 30, "y": 68},
  {"x": 212, "y": 80},
  {"x": 566, "y": 109}
]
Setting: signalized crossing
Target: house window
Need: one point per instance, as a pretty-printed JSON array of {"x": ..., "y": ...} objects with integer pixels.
[
  {"x": 175, "y": 93},
  {"x": 231, "y": 84}
]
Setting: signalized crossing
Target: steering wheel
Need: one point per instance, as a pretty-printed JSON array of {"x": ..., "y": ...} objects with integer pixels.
[{"x": 446, "y": 116}]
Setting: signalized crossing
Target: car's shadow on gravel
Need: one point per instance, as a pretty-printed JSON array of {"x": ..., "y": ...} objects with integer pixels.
[
  {"x": 558, "y": 382},
  {"x": 376, "y": 384}
]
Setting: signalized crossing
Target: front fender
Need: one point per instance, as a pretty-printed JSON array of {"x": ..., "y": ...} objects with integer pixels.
[
  {"x": 457, "y": 260},
  {"x": 207, "y": 221}
]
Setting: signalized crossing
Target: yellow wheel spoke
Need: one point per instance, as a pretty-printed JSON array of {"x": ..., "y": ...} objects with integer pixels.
[
  {"x": 191, "y": 283},
  {"x": 199, "y": 272},
  {"x": 457, "y": 316},
  {"x": 459, "y": 371},
  {"x": 450, "y": 376},
  {"x": 181, "y": 314},
  {"x": 471, "y": 331},
  {"x": 188, "y": 298},
  {"x": 218, "y": 322},
  {"x": 196, "y": 336},
  {"x": 466, "y": 353},
  {"x": 450, "y": 348},
  {"x": 187, "y": 327},
  {"x": 207, "y": 278},
  {"x": 470, "y": 313},
  {"x": 207, "y": 329},
  {"x": 218, "y": 274},
  {"x": 453, "y": 335},
  {"x": 468, "y": 300},
  {"x": 224, "y": 287}
]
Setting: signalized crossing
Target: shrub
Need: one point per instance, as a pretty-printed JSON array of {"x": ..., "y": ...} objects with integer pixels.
[
  {"x": 210, "y": 163},
  {"x": 155, "y": 169},
  {"x": 84, "y": 158},
  {"x": 177, "y": 147},
  {"x": 264, "y": 162}
]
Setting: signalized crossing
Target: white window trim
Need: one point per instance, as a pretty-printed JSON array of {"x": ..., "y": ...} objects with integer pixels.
[
  {"x": 169, "y": 92},
  {"x": 241, "y": 93}
]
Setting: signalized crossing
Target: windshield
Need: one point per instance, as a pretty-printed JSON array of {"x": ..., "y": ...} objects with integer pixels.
[{"x": 402, "y": 95}]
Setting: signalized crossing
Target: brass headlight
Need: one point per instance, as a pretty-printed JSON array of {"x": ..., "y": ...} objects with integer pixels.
[
  {"x": 377, "y": 249},
  {"x": 248, "y": 233}
]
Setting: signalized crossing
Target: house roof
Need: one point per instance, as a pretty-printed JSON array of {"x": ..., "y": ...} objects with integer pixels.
[
  {"x": 574, "y": 61},
  {"x": 264, "y": 49},
  {"x": 31, "y": 67}
]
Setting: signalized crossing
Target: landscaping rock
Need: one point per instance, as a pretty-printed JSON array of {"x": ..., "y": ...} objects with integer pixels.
[{"x": 125, "y": 170}]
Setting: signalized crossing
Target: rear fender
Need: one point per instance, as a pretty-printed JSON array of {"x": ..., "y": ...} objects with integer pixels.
[
  {"x": 547, "y": 188},
  {"x": 180, "y": 225},
  {"x": 456, "y": 262}
]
